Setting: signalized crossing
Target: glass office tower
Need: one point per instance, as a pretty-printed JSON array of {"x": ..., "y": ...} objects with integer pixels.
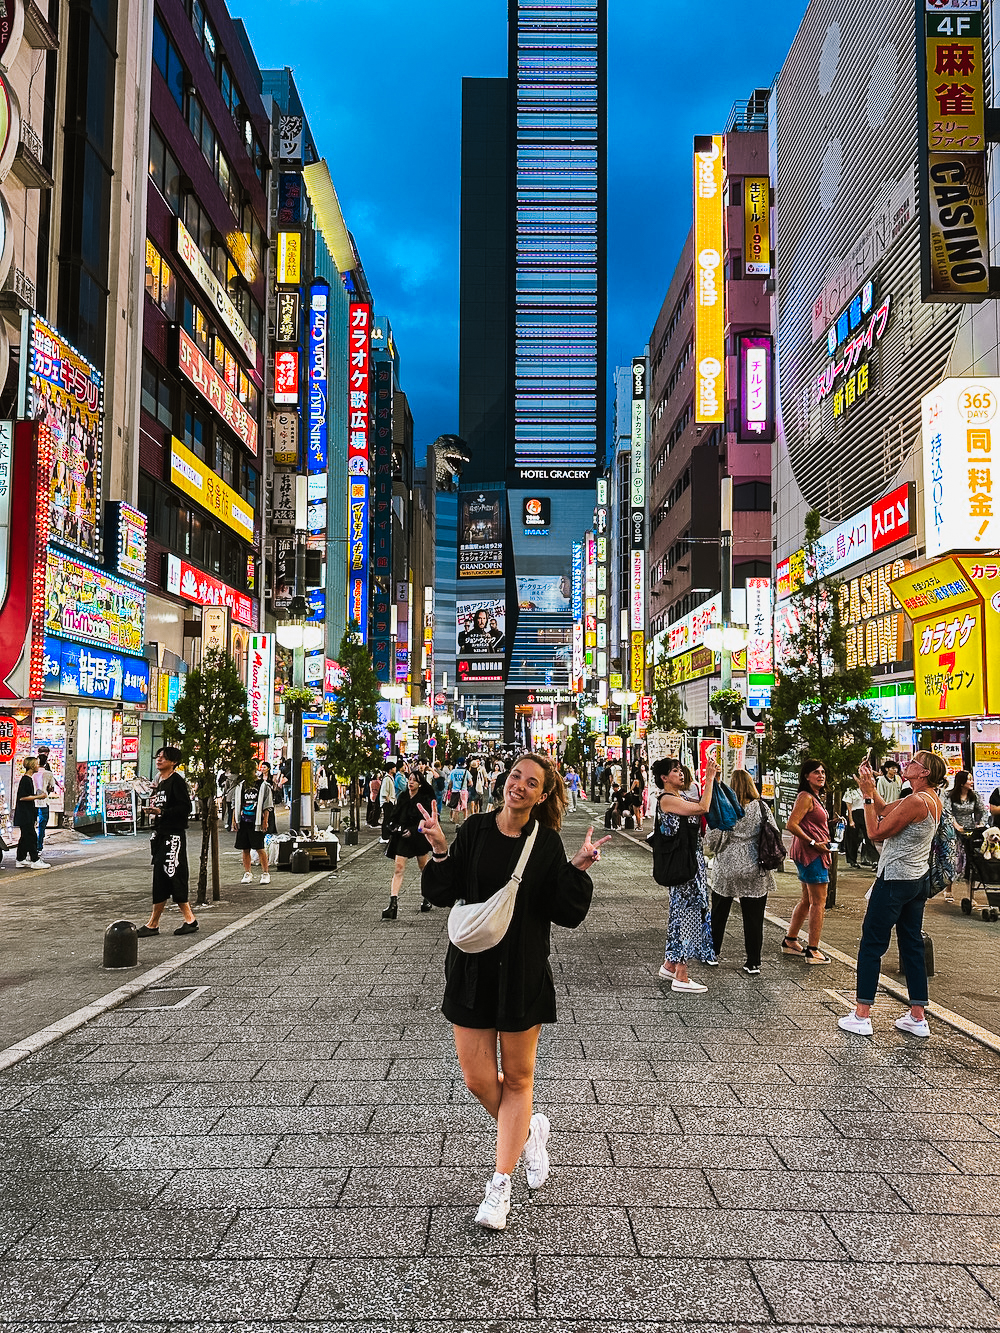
[{"x": 557, "y": 61}]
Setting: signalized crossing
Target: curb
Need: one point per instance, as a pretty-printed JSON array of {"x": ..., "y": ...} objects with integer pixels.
[
  {"x": 991, "y": 1040},
  {"x": 46, "y": 1036}
]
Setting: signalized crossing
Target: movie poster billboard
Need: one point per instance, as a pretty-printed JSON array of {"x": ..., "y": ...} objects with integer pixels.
[
  {"x": 66, "y": 393},
  {"x": 544, "y": 592},
  {"x": 480, "y": 536},
  {"x": 481, "y": 627}
]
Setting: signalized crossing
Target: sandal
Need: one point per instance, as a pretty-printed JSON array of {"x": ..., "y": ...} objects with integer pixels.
[
  {"x": 814, "y": 956},
  {"x": 791, "y": 944}
]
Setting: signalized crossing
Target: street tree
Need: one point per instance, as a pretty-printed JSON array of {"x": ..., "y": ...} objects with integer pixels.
[
  {"x": 667, "y": 712},
  {"x": 354, "y": 743},
  {"x": 212, "y": 729},
  {"x": 818, "y": 706}
]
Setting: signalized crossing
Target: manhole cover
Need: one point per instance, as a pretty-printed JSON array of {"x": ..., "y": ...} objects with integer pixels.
[{"x": 176, "y": 997}]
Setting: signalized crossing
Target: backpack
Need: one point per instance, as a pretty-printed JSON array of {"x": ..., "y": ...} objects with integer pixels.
[
  {"x": 770, "y": 848},
  {"x": 941, "y": 861}
]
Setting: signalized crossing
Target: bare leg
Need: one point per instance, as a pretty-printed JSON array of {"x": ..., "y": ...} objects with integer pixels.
[
  {"x": 397, "y": 876},
  {"x": 477, "y": 1054},
  {"x": 517, "y": 1051},
  {"x": 817, "y": 911},
  {"x": 800, "y": 913}
]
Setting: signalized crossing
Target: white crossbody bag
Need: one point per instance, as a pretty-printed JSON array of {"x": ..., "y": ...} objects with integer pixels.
[{"x": 476, "y": 927}]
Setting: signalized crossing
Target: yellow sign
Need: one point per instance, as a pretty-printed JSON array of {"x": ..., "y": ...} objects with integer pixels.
[
  {"x": 954, "y": 604},
  {"x": 692, "y": 665},
  {"x": 614, "y": 682},
  {"x": 955, "y": 95},
  {"x": 757, "y": 227},
  {"x": 289, "y": 258},
  {"x": 638, "y": 662},
  {"x": 709, "y": 285},
  {"x": 189, "y": 474}
]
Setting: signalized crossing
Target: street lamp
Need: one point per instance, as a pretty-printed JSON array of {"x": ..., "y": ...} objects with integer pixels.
[
  {"x": 726, "y": 639},
  {"x": 298, "y": 634},
  {"x": 624, "y": 698}
]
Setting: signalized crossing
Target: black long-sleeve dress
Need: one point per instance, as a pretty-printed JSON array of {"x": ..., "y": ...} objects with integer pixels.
[{"x": 510, "y": 986}]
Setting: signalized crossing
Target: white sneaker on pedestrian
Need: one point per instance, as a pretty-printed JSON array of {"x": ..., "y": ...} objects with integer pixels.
[
  {"x": 536, "y": 1157},
  {"x": 39, "y": 865},
  {"x": 711, "y": 962},
  {"x": 247, "y": 878},
  {"x": 265, "y": 879},
  {"x": 494, "y": 1208},
  {"x": 25, "y": 862},
  {"x": 907, "y": 1023},
  {"x": 695, "y": 987},
  {"x": 852, "y": 1023}
]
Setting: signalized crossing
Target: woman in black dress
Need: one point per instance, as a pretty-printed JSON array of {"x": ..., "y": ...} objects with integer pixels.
[
  {"x": 406, "y": 840},
  {"x": 506, "y": 993},
  {"x": 25, "y": 815}
]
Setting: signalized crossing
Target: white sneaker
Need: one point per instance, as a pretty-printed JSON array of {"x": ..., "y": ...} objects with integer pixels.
[
  {"x": 712, "y": 962},
  {"x": 907, "y": 1023},
  {"x": 695, "y": 987},
  {"x": 25, "y": 862},
  {"x": 852, "y": 1023},
  {"x": 666, "y": 974},
  {"x": 536, "y": 1157},
  {"x": 247, "y": 878},
  {"x": 494, "y": 1208},
  {"x": 265, "y": 879},
  {"x": 39, "y": 865}
]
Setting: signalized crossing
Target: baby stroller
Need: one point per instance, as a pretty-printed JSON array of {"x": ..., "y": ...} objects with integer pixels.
[{"x": 981, "y": 872}]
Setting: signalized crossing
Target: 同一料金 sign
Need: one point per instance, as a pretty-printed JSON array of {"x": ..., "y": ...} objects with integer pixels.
[{"x": 960, "y": 428}]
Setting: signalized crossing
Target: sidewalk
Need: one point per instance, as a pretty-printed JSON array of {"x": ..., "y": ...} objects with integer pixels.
[{"x": 297, "y": 1145}]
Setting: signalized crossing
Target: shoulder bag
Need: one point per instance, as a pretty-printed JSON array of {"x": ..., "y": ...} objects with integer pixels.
[
  {"x": 476, "y": 927},
  {"x": 674, "y": 858},
  {"x": 724, "y": 811},
  {"x": 941, "y": 861},
  {"x": 770, "y": 847}
]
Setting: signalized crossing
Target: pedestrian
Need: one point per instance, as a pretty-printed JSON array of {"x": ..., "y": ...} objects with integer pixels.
[
  {"x": 26, "y": 816},
  {"x": 736, "y": 872},
  {"x": 965, "y": 806},
  {"x": 906, "y": 830},
  {"x": 387, "y": 801},
  {"x": 613, "y": 814},
  {"x": 228, "y": 782},
  {"x": 406, "y": 840},
  {"x": 809, "y": 824},
  {"x": 606, "y": 781},
  {"x": 633, "y": 804},
  {"x": 46, "y": 786},
  {"x": 688, "y": 924},
  {"x": 503, "y": 995},
  {"x": 475, "y": 786},
  {"x": 399, "y": 778},
  {"x": 573, "y": 787},
  {"x": 456, "y": 787},
  {"x": 889, "y": 784},
  {"x": 169, "y": 807},
  {"x": 853, "y": 810},
  {"x": 995, "y": 807},
  {"x": 254, "y": 806}
]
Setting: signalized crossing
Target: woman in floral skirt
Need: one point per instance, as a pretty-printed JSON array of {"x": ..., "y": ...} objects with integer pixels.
[{"x": 689, "y": 933}]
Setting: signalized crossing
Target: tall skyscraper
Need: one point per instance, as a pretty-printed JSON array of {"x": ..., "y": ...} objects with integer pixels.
[{"x": 532, "y": 360}]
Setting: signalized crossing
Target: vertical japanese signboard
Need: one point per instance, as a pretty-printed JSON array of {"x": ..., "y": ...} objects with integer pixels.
[
  {"x": 757, "y": 227},
  {"x": 756, "y": 375},
  {"x": 709, "y": 317},
  {"x": 260, "y": 682},
  {"x": 319, "y": 301},
  {"x": 952, "y": 151},
  {"x": 960, "y": 427},
  {"x": 358, "y": 462}
]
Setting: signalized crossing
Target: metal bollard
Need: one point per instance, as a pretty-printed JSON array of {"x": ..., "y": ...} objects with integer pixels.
[
  {"x": 928, "y": 955},
  {"x": 121, "y": 945}
]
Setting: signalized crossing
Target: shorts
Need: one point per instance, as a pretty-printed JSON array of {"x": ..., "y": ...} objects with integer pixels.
[
  {"x": 814, "y": 872},
  {"x": 249, "y": 839},
  {"x": 170, "y": 867}
]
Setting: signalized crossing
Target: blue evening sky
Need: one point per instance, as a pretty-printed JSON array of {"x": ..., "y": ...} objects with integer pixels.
[{"x": 381, "y": 82}]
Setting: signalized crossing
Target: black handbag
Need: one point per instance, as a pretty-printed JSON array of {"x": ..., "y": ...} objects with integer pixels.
[
  {"x": 674, "y": 859},
  {"x": 770, "y": 847}
]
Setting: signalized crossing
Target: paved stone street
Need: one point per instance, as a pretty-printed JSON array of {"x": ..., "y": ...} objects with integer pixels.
[{"x": 296, "y": 1143}]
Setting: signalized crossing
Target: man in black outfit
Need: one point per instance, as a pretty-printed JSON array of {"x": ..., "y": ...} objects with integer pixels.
[{"x": 169, "y": 806}]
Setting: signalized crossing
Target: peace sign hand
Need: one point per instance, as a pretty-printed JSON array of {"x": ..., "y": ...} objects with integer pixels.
[
  {"x": 590, "y": 852},
  {"x": 431, "y": 829}
]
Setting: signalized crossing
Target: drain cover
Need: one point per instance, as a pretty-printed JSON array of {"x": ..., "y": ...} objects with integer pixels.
[{"x": 176, "y": 997}]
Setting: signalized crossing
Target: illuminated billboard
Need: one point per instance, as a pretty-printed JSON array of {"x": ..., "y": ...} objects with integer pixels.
[
  {"x": 756, "y": 376},
  {"x": 481, "y": 532},
  {"x": 960, "y": 428},
  {"x": 709, "y": 317},
  {"x": 66, "y": 393},
  {"x": 89, "y": 605},
  {"x": 286, "y": 375},
  {"x": 199, "y": 372},
  {"x": 757, "y": 227},
  {"x": 190, "y": 475},
  {"x": 319, "y": 300}
]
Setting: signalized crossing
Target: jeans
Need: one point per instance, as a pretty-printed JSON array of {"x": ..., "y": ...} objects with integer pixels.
[
  {"x": 43, "y": 819},
  {"x": 753, "y": 924},
  {"x": 899, "y": 903}
]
